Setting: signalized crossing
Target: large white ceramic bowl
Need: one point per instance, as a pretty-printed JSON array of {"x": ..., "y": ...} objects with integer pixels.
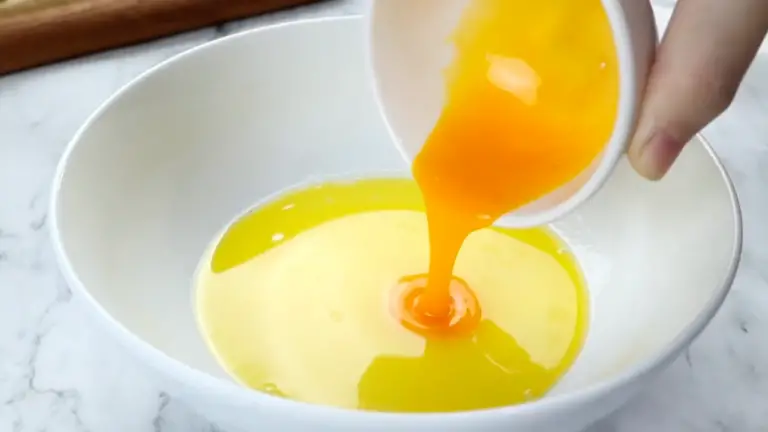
[{"x": 158, "y": 170}]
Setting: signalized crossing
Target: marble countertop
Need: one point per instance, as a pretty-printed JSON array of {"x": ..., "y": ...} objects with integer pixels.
[{"x": 58, "y": 374}]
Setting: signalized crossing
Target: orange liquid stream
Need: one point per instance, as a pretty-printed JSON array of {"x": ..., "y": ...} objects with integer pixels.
[{"x": 531, "y": 100}]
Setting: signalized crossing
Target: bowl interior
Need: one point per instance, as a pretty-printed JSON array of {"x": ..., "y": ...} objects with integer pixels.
[{"x": 158, "y": 172}]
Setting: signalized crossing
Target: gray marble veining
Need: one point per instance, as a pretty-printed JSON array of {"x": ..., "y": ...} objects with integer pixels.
[{"x": 59, "y": 374}]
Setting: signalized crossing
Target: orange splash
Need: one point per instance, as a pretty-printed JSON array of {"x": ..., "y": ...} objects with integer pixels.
[
  {"x": 414, "y": 311},
  {"x": 531, "y": 100}
]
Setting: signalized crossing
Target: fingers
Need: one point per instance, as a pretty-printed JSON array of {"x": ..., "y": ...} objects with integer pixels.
[{"x": 701, "y": 61}]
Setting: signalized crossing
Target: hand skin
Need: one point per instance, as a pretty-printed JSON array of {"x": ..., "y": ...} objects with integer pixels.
[{"x": 699, "y": 65}]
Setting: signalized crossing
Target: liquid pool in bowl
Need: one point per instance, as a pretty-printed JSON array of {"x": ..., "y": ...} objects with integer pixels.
[{"x": 298, "y": 298}]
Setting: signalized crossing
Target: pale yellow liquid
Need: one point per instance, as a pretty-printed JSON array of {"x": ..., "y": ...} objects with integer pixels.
[{"x": 295, "y": 300}]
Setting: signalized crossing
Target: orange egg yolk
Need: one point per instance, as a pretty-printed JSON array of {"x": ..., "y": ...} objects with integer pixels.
[{"x": 531, "y": 100}]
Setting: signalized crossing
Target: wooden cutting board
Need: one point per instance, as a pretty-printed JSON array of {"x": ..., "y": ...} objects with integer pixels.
[{"x": 36, "y": 32}]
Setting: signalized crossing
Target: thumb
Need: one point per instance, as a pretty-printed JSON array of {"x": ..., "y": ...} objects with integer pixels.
[{"x": 699, "y": 65}]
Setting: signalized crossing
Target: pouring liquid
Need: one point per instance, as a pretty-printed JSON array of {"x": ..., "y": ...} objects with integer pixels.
[{"x": 531, "y": 100}]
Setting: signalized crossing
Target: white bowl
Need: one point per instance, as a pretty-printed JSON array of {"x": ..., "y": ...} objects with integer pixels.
[
  {"x": 160, "y": 168},
  {"x": 410, "y": 48}
]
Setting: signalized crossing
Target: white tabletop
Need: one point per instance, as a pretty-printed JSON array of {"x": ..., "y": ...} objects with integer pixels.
[{"x": 59, "y": 374}]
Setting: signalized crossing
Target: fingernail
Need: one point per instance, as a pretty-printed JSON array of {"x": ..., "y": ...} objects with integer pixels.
[{"x": 655, "y": 157}]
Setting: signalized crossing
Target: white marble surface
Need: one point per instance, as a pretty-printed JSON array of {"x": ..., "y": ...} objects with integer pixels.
[{"x": 58, "y": 374}]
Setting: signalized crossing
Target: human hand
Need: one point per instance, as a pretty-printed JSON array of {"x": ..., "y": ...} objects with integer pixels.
[{"x": 707, "y": 49}]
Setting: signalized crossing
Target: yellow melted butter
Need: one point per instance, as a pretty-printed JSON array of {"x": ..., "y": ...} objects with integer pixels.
[{"x": 294, "y": 300}]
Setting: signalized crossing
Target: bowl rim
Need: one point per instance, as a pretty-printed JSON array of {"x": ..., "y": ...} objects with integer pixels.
[{"x": 230, "y": 391}]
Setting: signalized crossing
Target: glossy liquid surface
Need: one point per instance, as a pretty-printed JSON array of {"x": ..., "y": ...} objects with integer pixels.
[
  {"x": 531, "y": 100},
  {"x": 296, "y": 300}
]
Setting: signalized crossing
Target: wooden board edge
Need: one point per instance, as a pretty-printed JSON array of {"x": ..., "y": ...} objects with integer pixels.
[{"x": 75, "y": 29}]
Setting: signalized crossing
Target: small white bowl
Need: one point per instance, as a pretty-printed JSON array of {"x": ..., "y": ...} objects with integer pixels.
[
  {"x": 409, "y": 48},
  {"x": 159, "y": 169}
]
